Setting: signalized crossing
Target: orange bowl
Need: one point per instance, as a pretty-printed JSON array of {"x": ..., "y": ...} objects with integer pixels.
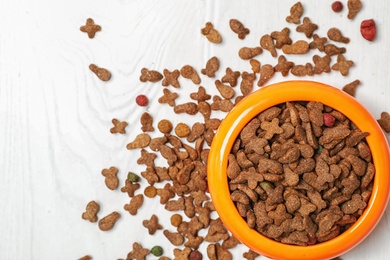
[{"x": 273, "y": 95}]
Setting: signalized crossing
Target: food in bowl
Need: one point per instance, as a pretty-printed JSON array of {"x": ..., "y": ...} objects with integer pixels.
[
  {"x": 300, "y": 173},
  {"x": 295, "y": 92}
]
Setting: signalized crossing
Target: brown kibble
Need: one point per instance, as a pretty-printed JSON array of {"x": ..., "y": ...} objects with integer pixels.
[
  {"x": 331, "y": 49},
  {"x": 150, "y": 75},
  {"x": 91, "y": 211},
  {"x": 165, "y": 193},
  {"x": 384, "y": 121},
  {"x": 170, "y": 78},
  {"x": 138, "y": 253},
  {"x": 182, "y": 254},
  {"x": 247, "y": 53},
  {"x": 189, "y": 108},
  {"x": 152, "y": 225},
  {"x": 224, "y": 105},
  {"x": 281, "y": 38},
  {"x": 140, "y": 141},
  {"x": 101, "y": 73},
  {"x": 182, "y": 130},
  {"x": 296, "y": 12},
  {"x": 238, "y": 28},
  {"x": 130, "y": 188},
  {"x": 175, "y": 238},
  {"x": 150, "y": 192},
  {"x": 189, "y": 72},
  {"x": 108, "y": 221},
  {"x": 350, "y": 88},
  {"x": 353, "y": 205},
  {"x": 298, "y": 47},
  {"x": 204, "y": 109},
  {"x": 225, "y": 91},
  {"x": 267, "y": 43},
  {"x": 135, "y": 203},
  {"x": 246, "y": 85},
  {"x": 111, "y": 180},
  {"x": 302, "y": 70},
  {"x": 250, "y": 255},
  {"x": 119, "y": 126},
  {"x": 197, "y": 130},
  {"x": 231, "y": 77},
  {"x": 146, "y": 159},
  {"x": 201, "y": 95},
  {"x": 267, "y": 71},
  {"x": 211, "y": 34},
  {"x": 90, "y": 28},
  {"x": 168, "y": 97},
  {"x": 212, "y": 66},
  {"x": 86, "y": 257},
  {"x": 283, "y": 66},
  {"x": 336, "y": 35},
  {"x": 165, "y": 126},
  {"x": 342, "y": 65},
  {"x": 318, "y": 43},
  {"x": 146, "y": 122},
  {"x": 354, "y": 7},
  {"x": 307, "y": 27},
  {"x": 321, "y": 64},
  {"x": 255, "y": 65}
]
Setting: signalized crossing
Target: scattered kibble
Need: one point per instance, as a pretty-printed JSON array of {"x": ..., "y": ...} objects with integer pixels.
[
  {"x": 142, "y": 100},
  {"x": 337, "y": 6},
  {"x": 368, "y": 29}
]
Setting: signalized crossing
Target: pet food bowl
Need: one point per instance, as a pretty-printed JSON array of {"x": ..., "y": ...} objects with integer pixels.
[{"x": 270, "y": 96}]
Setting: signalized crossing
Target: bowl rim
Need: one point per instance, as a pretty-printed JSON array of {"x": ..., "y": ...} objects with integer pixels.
[{"x": 252, "y": 105}]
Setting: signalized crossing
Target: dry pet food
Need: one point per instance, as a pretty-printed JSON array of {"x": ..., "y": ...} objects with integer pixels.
[
  {"x": 111, "y": 178},
  {"x": 342, "y": 65},
  {"x": 368, "y": 29},
  {"x": 354, "y": 7},
  {"x": 170, "y": 78},
  {"x": 299, "y": 175},
  {"x": 189, "y": 72},
  {"x": 90, "y": 28},
  {"x": 119, "y": 126},
  {"x": 337, "y": 6},
  {"x": 212, "y": 66},
  {"x": 211, "y": 34},
  {"x": 150, "y": 75},
  {"x": 307, "y": 27},
  {"x": 296, "y": 12},
  {"x": 91, "y": 211},
  {"x": 108, "y": 221},
  {"x": 142, "y": 100},
  {"x": 384, "y": 121},
  {"x": 238, "y": 28},
  {"x": 138, "y": 252},
  {"x": 102, "y": 73}
]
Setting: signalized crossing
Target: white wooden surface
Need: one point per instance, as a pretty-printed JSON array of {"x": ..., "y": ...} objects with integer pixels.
[{"x": 55, "y": 115}]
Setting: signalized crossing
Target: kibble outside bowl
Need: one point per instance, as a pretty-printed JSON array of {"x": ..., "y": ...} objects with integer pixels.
[{"x": 273, "y": 95}]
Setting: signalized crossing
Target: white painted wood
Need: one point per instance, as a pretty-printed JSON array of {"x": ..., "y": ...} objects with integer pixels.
[{"x": 55, "y": 115}]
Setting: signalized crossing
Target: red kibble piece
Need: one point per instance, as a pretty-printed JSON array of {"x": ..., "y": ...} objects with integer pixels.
[
  {"x": 337, "y": 6},
  {"x": 142, "y": 100},
  {"x": 329, "y": 120},
  {"x": 195, "y": 255},
  {"x": 368, "y": 29}
]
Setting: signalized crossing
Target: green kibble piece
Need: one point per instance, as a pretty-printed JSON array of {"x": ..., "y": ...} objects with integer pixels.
[
  {"x": 133, "y": 177},
  {"x": 157, "y": 251},
  {"x": 319, "y": 149},
  {"x": 266, "y": 185}
]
